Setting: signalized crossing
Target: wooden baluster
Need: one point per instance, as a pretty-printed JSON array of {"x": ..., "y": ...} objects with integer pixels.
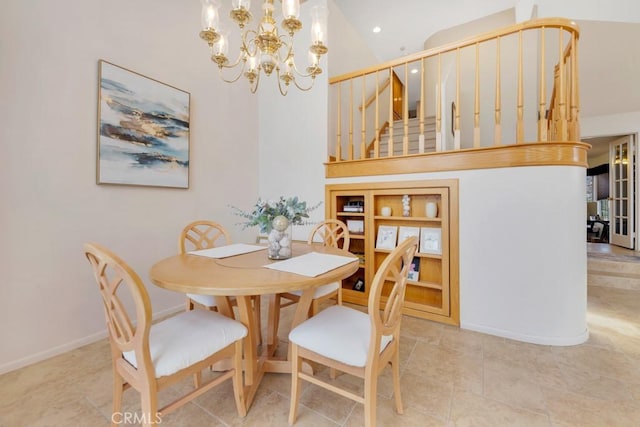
[
  {"x": 350, "y": 148},
  {"x": 339, "y": 135},
  {"x": 456, "y": 120},
  {"x": 520, "y": 105},
  {"x": 542, "y": 108},
  {"x": 363, "y": 122},
  {"x": 421, "y": 108},
  {"x": 476, "y": 109},
  {"x": 405, "y": 111},
  {"x": 439, "y": 107},
  {"x": 376, "y": 144},
  {"x": 390, "y": 143},
  {"x": 497, "y": 136},
  {"x": 574, "y": 129},
  {"x": 562, "y": 95},
  {"x": 555, "y": 110}
]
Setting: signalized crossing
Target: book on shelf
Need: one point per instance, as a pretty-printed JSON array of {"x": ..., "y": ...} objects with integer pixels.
[{"x": 414, "y": 269}]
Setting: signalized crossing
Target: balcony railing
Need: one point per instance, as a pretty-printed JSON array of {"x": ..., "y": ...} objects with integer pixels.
[{"x": 512, "y": 87}]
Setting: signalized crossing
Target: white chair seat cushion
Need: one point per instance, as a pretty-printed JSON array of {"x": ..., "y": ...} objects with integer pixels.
[
  {"x": 206, "y": 300},
  {"x": 339, "y": 333},
  {"x": 189, "y": 337},
  {"x": 321, "y": 290}
]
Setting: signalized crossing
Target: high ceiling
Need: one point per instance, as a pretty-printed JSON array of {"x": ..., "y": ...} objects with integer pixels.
[
  {"x": 609, "y": 53},
  {"x": 411, "y": 22}
]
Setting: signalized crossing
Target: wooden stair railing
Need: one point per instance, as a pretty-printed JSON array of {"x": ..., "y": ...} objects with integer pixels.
[{"x": 556, "y": 120}]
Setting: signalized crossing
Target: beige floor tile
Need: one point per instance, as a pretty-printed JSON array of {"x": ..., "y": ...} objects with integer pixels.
[
  {"x": 386, "y": 415},
  {"x": 461, "y": 370},
  {"x": 572, "y": 409},
  {"x": 449, "y": 377},
  {"x": 421, "y": 329},
  {"x": 328, "y": 404},
  {"x": 462, "y": 341},
  {"x": 534, "y": 362},
  {"x": 469, "y": 409},
  {"x": 599, "y": 361},
  {"x": 514, "y": 387},
  {"x": 426, "y": 395}
]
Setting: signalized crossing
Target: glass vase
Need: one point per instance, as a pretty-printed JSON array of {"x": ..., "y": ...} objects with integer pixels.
[{"x": 280, "y": 239}]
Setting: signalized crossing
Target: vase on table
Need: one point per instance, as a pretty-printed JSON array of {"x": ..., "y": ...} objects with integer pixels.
[{"x": 280, "y": 238}]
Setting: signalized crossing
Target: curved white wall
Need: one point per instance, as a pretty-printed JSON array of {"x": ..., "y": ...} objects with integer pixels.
[{"x": 523, "y": 263}]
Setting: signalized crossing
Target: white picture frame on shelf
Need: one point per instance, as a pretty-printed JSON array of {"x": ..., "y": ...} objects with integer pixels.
[
  {"x": 431, "y": 240},
  {"x": 387, "y": 237},
  {"x": 405, "y": 232},
  {"x": 355, "y": 226}
]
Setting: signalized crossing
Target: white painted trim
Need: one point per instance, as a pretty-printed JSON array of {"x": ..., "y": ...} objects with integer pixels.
[
  {"x": 533, "y": 339},
  {"x": 55, "y": 351}
]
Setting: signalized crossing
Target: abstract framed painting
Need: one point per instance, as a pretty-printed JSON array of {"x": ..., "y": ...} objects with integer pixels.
[{"x": 143, "y": 130}]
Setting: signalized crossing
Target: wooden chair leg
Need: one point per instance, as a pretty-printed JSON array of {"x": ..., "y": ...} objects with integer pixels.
[
  {"x": 395, "y": 367},
  {"x": 295, "y": 383},
  {"x": 118, "y": 389},
  {"x": 197, "y": 378},
  {"x": 149, "y": 406},
  {"x": 189, "y": 304},
  {"x": 370, "y": 390}
]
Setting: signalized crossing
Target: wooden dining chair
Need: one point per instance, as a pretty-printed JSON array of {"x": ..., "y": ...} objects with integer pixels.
[
  {"x": 330, "y": 232},
  {"x": 204, "y": 234},
  {"x": 150, "y": 357},
  {"x": 357, "y": 343}
]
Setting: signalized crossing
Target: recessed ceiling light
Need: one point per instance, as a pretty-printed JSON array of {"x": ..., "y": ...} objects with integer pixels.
[
  {"x": 414, "y": 71},
  {"x": 377, "y": 29}
]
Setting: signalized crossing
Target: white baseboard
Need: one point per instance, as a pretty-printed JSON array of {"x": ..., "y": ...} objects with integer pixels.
[
  {"x": 533, "y": 339},
  {"x": 55, "y": 351}
]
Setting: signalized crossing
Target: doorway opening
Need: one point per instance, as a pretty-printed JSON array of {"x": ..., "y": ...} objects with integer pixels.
[{"x": 611, "y": 191}]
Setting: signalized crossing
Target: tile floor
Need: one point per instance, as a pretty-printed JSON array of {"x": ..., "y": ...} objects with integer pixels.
[{"x": 450, "y": 377}]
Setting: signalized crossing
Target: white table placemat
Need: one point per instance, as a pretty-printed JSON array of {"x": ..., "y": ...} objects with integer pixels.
[
  {"x": 228, "y": 250},
  {"x": 312, "y": 264}
]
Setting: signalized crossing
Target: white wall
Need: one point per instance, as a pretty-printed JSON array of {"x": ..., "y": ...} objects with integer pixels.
[
  {"x": 523, "y": 271},
  {"x": 598, "y": 10},
  {"x": 293, "y": 129},
  {"x": 51, "y": 204}
]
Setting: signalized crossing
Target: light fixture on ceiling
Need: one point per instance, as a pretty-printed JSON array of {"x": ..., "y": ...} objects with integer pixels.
[
  {"x": 376, "y": 29},
  {"x": 264, "y": 50}
]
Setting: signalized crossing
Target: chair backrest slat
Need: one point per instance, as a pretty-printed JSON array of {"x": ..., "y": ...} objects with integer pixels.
[
  {"x": 393, "y": 271},
  {"x": 202, "y": 234},
  {"x": 333, "y": 232},
  {"x": 116, "y": 280}
]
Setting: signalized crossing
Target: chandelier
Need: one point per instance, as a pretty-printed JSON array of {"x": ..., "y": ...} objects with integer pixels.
[{"x": 264, "y": 50}]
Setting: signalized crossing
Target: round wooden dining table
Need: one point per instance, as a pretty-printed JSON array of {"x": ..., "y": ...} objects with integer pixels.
[{"x": 244, "y": 276}]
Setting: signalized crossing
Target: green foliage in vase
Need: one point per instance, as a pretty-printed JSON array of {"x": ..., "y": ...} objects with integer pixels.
[{"x": 264, "y": 211}]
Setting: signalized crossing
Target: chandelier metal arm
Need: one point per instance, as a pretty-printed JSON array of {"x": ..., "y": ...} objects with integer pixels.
[
  {"x": 233, "y": 80},
  {"x": 264, "y": 50}
]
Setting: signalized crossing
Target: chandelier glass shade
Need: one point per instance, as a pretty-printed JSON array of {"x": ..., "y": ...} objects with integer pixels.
[{"x": 265, "y": 50}]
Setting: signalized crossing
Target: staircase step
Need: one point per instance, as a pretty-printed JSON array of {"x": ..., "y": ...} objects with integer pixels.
[{"x": 613, "y": 274}]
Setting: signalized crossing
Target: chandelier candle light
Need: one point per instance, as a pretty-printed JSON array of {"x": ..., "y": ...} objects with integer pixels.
[{"x": 264, "y": 49}]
